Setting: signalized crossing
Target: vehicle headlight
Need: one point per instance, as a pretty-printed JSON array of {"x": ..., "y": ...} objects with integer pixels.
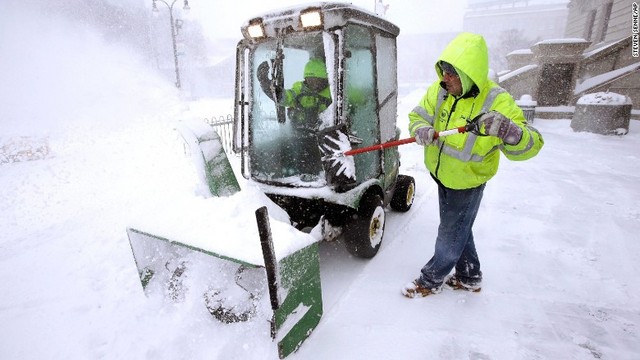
[
  {"x": 311, "y": 18},
  {"x": 256, "y": 29}
]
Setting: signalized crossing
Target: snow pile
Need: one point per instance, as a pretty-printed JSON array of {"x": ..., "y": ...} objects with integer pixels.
[
  {"x": 604, "y": 98},
  {"x": 23, "y": 148},
  {"x": 526, "y": 100},
  {"x": 224, "y": 226}
]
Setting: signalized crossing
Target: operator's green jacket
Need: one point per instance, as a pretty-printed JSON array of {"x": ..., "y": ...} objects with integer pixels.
[
  {"x": 464, "y": 161},
  {"x": 305, "y": 104}
]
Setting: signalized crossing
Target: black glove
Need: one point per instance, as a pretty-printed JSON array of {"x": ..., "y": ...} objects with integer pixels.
[
  {"x": 263, "y": 78},
  {"x": 263, "y": 70}
]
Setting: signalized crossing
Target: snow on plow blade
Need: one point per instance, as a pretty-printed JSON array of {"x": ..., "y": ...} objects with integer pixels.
[{"x": 182, "y": 267}]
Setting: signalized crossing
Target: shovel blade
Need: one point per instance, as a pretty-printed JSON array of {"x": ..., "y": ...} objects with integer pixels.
[{"x": 340, "y": 170}]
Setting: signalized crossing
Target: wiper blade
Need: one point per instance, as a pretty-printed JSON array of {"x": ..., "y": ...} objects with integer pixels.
[{"x": 277, "y": 76}]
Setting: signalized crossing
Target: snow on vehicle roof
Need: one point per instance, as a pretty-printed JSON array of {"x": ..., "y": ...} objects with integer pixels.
[{"x": 334, "y": 15}]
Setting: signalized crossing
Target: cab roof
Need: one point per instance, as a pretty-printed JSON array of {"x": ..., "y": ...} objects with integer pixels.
[{"x": 334, "y": 15}]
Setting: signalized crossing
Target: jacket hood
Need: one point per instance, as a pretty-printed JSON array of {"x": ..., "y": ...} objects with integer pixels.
[{"x": 468, "y": 53}]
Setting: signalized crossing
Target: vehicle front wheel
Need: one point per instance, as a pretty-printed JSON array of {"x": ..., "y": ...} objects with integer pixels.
[
  {"x": 404, "y": 193},
  {"x": 363, "y": 234}
]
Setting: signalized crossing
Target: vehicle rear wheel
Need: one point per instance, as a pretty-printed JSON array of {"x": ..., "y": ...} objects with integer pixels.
[
  {"x": 363, "y": 235},
  {"x": 404, "y": 193}
]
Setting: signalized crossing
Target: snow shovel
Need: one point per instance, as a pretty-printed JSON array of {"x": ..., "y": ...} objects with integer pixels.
[
  {"x": 337, "y": 155},
  {"x": 337, "y": 152},
  {"x": 340, "y": 170}
]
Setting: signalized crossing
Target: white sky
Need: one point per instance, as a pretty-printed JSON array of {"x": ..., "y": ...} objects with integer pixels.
[{"x": 223, "y": 19}]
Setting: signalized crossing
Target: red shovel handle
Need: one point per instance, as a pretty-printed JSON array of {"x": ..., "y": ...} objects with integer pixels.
[
  {"x": 410, "y": 140},
  {"x": 380, "y": 146}
]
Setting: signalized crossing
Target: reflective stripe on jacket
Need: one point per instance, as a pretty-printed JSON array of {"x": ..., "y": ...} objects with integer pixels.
[{"x": 465, "y": 161}]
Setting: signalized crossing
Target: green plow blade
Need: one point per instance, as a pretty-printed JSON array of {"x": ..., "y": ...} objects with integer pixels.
[
  {"x": 293, "y": 281},
  {"x": 178, "y": 266}
]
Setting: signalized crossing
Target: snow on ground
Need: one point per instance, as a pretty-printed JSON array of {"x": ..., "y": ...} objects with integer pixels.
[{"x": 557, "y": 235}]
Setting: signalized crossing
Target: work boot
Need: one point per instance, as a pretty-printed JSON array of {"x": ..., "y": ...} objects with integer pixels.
[
  {"x": 414, "y": 289},
  {"x": 456, "y": 284}
]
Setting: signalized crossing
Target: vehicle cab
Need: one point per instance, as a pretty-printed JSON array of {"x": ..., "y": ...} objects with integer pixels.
[{"x": 358, "y": 49}]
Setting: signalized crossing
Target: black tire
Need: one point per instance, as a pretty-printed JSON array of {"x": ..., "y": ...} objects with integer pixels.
[
  {"x": 363, "y": 235},
  {"x": 404, "y": 193}
]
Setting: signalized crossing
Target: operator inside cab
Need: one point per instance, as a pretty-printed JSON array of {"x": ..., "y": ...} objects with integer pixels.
[
  {"x": 306, "y": 99},
  {"x": 304, "y": 102}
]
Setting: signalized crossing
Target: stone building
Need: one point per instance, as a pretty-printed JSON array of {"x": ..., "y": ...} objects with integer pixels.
[
  {"x": 596, "y": 54},
  {"x": 509, "y": 25}
]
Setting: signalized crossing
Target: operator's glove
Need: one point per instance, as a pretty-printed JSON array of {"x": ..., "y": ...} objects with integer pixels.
[
  {"x": 496, "y": 124},
  {"x": 263, "y": 70},
  {"x": 424, "y": 135},
  {"x": 263, "y": 75}
]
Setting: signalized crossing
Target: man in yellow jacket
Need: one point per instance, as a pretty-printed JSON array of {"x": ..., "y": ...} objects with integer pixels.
[{"x": 462, "y": 164}]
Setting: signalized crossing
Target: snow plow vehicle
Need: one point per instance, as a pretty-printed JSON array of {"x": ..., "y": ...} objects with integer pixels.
[
  {"x": 312, "y": 83},
  {"x": 301, "y": 167}
]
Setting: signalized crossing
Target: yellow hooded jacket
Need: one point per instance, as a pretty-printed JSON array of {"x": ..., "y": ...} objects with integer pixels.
[{"x": 465, "y": 161}]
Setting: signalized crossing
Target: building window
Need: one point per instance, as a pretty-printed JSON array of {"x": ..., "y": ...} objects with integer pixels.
[
  {"x": 604, "y": 23},
  {"x": 588, "y": 30}
]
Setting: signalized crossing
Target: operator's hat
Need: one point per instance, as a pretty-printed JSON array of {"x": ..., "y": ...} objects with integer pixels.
[{"x": 315, "y": 68}]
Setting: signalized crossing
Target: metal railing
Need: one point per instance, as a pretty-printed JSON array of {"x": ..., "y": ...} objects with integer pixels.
[{"x": 224, "y": 127}]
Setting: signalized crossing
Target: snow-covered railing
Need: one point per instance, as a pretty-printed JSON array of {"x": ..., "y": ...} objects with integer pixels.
[{"x": 224, "y": 127}]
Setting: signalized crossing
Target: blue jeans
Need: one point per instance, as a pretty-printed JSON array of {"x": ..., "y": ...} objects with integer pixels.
[{"x": 454, "y": 244}]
